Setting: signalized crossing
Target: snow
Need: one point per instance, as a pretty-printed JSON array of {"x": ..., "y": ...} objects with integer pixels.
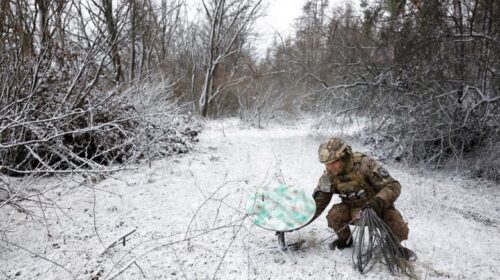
[{"x": 189, "y": 214}]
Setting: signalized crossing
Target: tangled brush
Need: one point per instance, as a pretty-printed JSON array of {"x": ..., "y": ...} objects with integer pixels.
[{"x": 375, "y": 242}]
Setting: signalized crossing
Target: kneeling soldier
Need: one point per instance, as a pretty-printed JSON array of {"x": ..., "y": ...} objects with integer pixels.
[{"x": 360, "y": 182}]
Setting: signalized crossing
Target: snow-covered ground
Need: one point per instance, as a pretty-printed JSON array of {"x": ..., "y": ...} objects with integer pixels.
[{"x": 188, "y": 215}]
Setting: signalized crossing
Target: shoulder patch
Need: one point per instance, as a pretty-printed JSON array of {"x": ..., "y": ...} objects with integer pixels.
[
  {"x": 357, "y": 157},
  {"x": 383, "y": 172}
]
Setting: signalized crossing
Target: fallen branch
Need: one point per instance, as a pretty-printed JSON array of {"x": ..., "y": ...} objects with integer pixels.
[{"x": 121, "y": 239}]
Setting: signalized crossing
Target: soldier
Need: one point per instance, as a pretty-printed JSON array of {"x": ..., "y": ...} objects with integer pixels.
[{"x": 360, "y": 182}]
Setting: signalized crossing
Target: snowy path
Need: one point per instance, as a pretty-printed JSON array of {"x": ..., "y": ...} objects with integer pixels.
[{"x": 189, "y": 215}]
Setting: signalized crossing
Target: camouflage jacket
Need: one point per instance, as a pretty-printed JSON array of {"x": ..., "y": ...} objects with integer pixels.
[{"x": 365, "y": 180}]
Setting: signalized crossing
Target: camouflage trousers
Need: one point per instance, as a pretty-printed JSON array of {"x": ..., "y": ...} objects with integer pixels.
[{"x": 340, "y": 215}]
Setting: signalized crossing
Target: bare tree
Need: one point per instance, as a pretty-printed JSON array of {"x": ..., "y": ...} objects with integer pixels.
[
  {"x": 43, "y": 24},
  {"x": 229, "y": 23},
  {"x": 133, "y": 35},
  {"x": 107, "y": 10}
]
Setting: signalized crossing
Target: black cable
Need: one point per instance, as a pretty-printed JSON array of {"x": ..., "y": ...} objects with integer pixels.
[{"x": 375, "y": 242}]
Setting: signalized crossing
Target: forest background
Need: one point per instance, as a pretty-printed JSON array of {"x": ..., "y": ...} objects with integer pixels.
[
  {"x": 97, "y": 95},
  {"x": 86, "y": 84}
]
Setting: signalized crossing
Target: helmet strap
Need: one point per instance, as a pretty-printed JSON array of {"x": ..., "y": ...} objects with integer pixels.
[{"x": 346, "y": 164}]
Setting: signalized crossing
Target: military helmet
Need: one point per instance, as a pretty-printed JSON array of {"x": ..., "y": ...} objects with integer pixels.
[{"x": 333, "y": 149}]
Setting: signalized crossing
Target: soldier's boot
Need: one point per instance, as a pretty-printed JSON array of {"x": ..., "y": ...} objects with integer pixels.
[
  {"x": 408, "y": 254},
  {"x": 340, "y": 244},
  {"x": 399, "y": 230}
]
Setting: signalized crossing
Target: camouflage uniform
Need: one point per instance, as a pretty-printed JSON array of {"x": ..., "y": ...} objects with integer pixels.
[{"x": 361, "y": 180}]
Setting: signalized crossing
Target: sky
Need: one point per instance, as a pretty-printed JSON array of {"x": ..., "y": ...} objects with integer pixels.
[{"x": 280, "y": 16}]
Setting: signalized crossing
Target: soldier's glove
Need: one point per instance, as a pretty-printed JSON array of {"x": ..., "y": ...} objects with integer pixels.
[{"x": 377, "y": 204}]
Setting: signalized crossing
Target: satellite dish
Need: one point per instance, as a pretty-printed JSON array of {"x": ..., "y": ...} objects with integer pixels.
[{"x": 281, "y": 209}]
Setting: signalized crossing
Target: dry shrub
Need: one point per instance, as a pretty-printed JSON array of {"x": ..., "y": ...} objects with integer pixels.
[
  {"x": 420, "y": 121},
  {"x": 433, "y": 127},
  {"x": 52, "y": 121}
]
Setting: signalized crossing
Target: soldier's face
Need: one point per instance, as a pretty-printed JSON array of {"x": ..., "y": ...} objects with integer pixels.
[{"x": 334, "y": 167}]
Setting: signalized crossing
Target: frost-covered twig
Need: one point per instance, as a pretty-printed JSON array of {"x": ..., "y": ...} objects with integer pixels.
[
  {"x": 94, "y": 202},
  {"x": 39, "y": 256},
  {"x": 229, "y": 246},
  {"x": 211, "y": 230},
  {"x": 203, "y": 203},
  {"x": 12, "y": 197},
  {"x": 119, "y": 239},
  {"x": 47, "y": 137}
]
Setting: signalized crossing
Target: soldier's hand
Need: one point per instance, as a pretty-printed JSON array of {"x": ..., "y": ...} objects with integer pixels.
[{"x": 377, "y": 204}]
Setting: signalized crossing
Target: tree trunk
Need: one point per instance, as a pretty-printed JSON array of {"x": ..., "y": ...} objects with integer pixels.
[
  {"x": 459, "y": 48},
  {"x": 60, "y": 29},
  {"x": 113, "y": 37},
  {"x": 132, "y": 38},
  {"x": 25, "y": 38},
  {"x": 43, "y": 23}
]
